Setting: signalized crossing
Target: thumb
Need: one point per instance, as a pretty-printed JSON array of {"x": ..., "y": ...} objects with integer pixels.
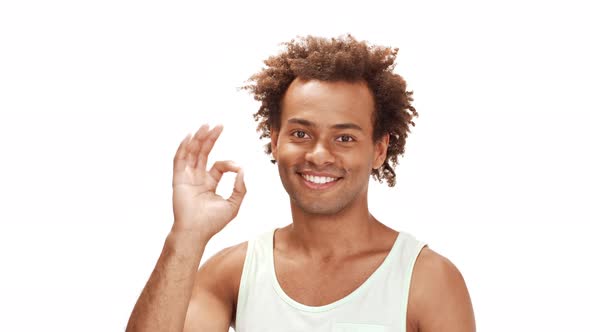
[{"x": 239, "y": 191}]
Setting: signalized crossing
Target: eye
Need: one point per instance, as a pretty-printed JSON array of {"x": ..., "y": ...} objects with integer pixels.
[
  {"x": 345, "y": 139},
  {"x": 299, "y": 134}
]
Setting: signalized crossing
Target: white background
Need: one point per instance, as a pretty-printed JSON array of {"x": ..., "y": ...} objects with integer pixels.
[{"x": 95, "y": 97}]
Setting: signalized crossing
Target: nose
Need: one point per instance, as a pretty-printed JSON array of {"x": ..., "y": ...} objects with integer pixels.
[{"x": 319, "y": 155}]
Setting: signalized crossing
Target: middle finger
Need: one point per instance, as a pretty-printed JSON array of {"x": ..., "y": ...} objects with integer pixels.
[
  {"x": 194, "y": 146},
  {"x": 207, "y": 145}
]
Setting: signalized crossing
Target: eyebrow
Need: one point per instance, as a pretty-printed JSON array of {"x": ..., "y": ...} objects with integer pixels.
[{"x": 308, "y": 123}]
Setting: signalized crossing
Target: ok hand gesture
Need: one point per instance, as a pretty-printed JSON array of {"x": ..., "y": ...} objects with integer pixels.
[{"x": 197, "y": 208}]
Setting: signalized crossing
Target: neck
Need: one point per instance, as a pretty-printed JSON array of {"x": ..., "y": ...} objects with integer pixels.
[{"x": 334, "y": 235}]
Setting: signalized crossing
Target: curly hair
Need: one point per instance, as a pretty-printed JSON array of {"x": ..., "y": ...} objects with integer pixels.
[{"x": 339, "y": 59}]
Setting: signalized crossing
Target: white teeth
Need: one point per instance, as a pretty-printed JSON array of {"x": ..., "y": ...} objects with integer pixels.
[{"x": 318, "y": 179}]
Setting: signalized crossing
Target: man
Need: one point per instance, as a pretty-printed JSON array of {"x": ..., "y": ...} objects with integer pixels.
[{"x": 335, "y": 114}]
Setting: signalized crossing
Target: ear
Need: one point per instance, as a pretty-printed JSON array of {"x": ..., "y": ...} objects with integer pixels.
[
  {"x": 380, "y": 151},
  {"x": 274, "y": 136}
]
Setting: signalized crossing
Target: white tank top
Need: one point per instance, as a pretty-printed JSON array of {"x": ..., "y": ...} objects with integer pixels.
[{"x": 378, "y": 305}]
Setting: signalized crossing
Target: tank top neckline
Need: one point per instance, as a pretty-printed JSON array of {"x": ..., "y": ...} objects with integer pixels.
[{"x": 297, "y": 305}]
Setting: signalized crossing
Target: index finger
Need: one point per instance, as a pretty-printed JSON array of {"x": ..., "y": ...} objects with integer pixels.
[{"x": 221, "y": 167}]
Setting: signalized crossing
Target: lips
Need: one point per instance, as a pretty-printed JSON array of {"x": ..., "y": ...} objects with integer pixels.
[{"x": 319, "y": 181}]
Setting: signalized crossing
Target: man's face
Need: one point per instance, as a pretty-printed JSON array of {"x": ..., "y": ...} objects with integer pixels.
[{"x": 324, "y": 148}]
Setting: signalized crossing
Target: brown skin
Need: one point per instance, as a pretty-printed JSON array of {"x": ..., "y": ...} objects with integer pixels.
[
  {"x": 199, "y": 214},
  {"x": 324, "y": 239},
  {"x": 319, "y": 246},
  {"x": 332, "y": 60},
  {"x": 334, "y": 223}
]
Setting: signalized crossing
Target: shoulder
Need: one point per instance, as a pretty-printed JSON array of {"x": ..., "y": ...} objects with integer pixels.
[
  {"x": 439, "y": 299},
  {"x": 214, "y": 293},
  {"x": 222, "y": 272},
  {"x": 230, "y": 255}
]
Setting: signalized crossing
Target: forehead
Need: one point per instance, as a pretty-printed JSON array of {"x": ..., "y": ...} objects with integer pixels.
[{"x": 328, "y": 102}]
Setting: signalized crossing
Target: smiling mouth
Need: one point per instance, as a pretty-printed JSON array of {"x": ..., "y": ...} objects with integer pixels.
[
  {"x": 318, "y": 179},
  {"x": 318, "y": 182}
]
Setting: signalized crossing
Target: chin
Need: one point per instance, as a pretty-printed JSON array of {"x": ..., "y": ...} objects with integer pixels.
[{"x": 318, "y": 207}]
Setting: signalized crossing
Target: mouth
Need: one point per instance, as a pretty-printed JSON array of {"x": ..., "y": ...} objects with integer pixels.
[{"x": 318, "y": 182}]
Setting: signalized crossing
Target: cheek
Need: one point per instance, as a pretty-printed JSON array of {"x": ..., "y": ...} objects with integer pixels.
[
  {"x": 290, "y": 152},
  {"x": 359, "y": 158}
]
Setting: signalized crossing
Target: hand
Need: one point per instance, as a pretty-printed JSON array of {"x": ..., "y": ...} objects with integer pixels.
[{"x": 197, "y": 208}]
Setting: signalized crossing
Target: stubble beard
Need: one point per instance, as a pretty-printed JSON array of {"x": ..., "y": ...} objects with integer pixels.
[{"x": 330, "y": 203}]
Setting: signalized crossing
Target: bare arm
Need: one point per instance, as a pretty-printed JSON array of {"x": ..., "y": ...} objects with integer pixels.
[
  {"x": 213, "y": 303},
  {"x": 199, "y": 213},
  {"x": 439, "y": 299},
  {"x": 164, "y": 300}
]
